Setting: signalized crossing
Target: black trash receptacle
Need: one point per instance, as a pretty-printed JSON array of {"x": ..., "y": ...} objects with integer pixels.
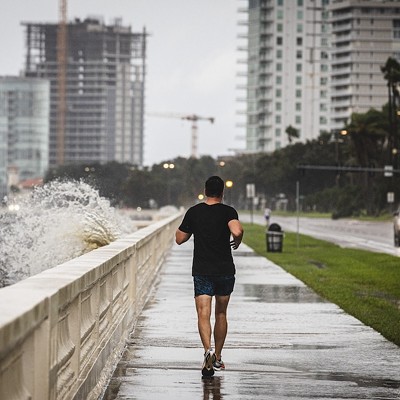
[{"x": 274, "y": 238}]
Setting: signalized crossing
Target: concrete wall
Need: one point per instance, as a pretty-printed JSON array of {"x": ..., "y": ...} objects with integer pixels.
[{"x": 63, "y": 330}]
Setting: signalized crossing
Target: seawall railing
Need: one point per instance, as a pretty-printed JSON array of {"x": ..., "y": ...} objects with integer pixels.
[{"x": 62, "y": 331}]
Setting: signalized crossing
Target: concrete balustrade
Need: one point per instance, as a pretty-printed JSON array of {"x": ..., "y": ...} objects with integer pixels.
[{"x": 63, "y": 330}]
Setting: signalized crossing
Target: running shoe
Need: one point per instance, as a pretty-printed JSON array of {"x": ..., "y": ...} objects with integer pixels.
[
  {"x": 218, "y": 364},
  {"x": 209, "y": 359}
]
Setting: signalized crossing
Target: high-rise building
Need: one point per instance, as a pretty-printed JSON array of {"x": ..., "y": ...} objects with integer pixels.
[
  {"x": 287, "y": 71},
  {"x": 24, "y": 128},
  {"x": 364, "y": 35},
  {"x": 312, "y": 63},
  {"x": 104, "y": 89}
]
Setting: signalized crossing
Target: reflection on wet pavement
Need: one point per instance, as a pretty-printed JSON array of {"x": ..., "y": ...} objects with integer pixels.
[
  {"x": 212, "y": 388},
  {"x": 284, "y": 342},
  {"x": 281, "y": 294}
]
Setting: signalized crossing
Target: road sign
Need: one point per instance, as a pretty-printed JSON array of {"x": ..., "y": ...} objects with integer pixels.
[
  {"x": 250, "y": 190},
  {"x": 388, "y": 171}
]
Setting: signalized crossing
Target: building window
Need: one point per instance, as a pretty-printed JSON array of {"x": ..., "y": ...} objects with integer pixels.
[
  {"x": 299, "y": 41},
  {"x": 278, "y": 132},
  {"x": 299, "y": 54},
  {"x": 396, "y": 55},
  {"x": 299, "y": 28},
  {"x": 323, "y": 107},
  {"x": 298, "y": 119},
  {"x": 323, "y": 120},
  {"x": 278, "y": 106},
  {"x": 253, "y": 4},
  {"x": 299, "y": 14},
  {"x": 298, "y": 93},
  {"x": 278, "y": 80},
  {"x": 323, "y": 81},
  {"x": 298, "y": 80},
  {"x": 279, "y": 40},
  {"x": 324, "y": 67},
  {"x": 279, "y": 27},
  {"x": 278, "y": 93},
  {"x": 278, "y": 119},
  {"x": 280, "y": 2},
  {"x": 324, "y": 42},
  {"x": 298, "y": 67},
  {"x": 279, "y": 14},
  {"x": 279, "y": 66},
  {"x": 299, "y": 3},
  {"x": 279, "y": 53},
  {"x": 298, "y": 106},
  {"x": 396, "y": 29}
]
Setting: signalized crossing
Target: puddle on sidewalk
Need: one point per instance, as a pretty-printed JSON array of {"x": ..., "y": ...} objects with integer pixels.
[{"x": 281, "y": 294}]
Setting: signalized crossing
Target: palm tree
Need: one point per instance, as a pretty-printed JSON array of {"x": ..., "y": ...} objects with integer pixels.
[
  {"x": 292, "y": 133},
  {"x": 391, "y": 71},
  {"x": 368, "y": 135}
]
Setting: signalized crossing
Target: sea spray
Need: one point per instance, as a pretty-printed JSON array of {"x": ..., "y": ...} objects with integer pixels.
[{"x": 55, "y": 223}]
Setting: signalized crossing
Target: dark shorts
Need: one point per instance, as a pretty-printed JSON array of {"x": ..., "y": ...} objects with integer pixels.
[{"x": 213, "y": 285}]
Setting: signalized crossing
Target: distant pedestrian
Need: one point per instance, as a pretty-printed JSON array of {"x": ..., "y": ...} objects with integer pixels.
[
  {"x": 212, "y": 225},
  {"x": 267, "y": 215}
]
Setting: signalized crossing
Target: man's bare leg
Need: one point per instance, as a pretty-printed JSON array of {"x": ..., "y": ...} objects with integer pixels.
[
  {"x": 221, "y": 323},
  {"x": 203, "y": 307}
]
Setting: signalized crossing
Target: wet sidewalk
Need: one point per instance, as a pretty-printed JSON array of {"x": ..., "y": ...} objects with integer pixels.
[{"x": 284, "y": 342}]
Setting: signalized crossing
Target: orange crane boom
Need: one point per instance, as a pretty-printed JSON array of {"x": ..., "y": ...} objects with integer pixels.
[{"x": 188, "y": 117}]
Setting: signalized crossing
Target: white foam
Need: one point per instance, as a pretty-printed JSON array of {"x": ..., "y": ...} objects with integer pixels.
[{"x": 57, "y": 222}]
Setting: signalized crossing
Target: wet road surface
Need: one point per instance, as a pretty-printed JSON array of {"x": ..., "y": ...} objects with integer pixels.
[
  {"x": 376, "y": 236},
  {"x": 284, "y": 342}
]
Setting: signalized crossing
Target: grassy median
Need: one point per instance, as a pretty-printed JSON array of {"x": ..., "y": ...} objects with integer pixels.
[{"x": 364, "y": 284}]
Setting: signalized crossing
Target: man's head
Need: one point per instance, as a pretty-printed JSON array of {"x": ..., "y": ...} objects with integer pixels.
[{"x": 214, "y": 187}]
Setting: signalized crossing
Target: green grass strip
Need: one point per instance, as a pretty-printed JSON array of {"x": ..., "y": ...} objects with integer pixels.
[{"x": 364, "y": 284}]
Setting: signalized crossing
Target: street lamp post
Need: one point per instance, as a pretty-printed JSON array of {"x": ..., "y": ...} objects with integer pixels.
[
  {"x": 168, "y": 166},
  {"x": 339, "y": 135},
  {"x": 229, "y": 185},
  {"x": 220, "y": 167}
]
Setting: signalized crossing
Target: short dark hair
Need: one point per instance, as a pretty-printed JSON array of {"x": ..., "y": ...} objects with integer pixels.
[{"x": 214, "y": 186}]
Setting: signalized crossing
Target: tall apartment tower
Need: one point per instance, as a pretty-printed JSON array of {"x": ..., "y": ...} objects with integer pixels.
[
  {"x": 104, "y": 89},
  {"x": 364, "y": 35},
  {"x": 287, "y": 71},
  {"x": 24, "y": 128}
]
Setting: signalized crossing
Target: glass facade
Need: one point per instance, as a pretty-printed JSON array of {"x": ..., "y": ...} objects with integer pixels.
[{"x": 24, "y": 128}]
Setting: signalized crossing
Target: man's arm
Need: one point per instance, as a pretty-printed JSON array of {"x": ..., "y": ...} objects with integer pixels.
[
  {"x": 181, "y": 237},
  {"x": 236, "y": 231}
]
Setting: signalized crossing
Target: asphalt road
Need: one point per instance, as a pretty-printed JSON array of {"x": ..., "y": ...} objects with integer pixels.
[{"x": 366, "y": 235}]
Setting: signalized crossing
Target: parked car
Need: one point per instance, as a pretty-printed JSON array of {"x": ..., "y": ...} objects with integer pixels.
[{"x": 396, "y": 227}]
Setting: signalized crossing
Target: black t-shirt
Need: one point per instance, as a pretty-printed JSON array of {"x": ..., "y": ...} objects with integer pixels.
[{"x": 212, "y": 253}]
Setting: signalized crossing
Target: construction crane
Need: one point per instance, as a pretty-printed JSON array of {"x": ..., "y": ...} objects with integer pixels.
[
  {"x": 61, "y": 81},
  {"x": 189, "y": 117}
]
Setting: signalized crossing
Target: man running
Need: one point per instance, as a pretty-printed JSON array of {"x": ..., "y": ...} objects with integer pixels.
[{"x": 212, "y": 225}]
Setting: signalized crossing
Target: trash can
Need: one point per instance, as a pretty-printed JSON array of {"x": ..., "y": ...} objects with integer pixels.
[{"x": 274, "y": 238}]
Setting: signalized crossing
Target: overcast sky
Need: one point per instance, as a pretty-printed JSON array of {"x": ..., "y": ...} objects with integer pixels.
[{"x": 191, "y": 64}]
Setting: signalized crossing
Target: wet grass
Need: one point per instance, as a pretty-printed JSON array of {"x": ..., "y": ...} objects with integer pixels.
[{"x": 364, "y": 284}]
